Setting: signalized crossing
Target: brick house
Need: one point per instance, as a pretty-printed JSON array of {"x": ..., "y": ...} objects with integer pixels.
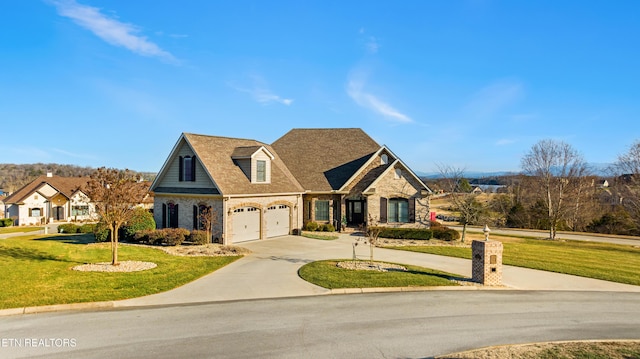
[{"x": 256, "y": 190}]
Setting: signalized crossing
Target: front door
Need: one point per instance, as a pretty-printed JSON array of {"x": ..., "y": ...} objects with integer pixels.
[
  {"x": 58, "y": 213},
  {"x": 355, "y": 212}
]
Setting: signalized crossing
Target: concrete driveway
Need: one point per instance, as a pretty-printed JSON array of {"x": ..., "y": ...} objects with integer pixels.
[{"x": 271, "y": 272}]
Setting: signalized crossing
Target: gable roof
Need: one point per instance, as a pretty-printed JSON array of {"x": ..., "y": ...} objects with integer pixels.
[
  {"x": 215, "y": 154},
  {"x": 325, "y": 159},
  {"x": 65, "y": 185}
]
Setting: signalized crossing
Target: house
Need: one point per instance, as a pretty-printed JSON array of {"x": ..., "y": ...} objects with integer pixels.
[
  {"x": 49, "y": 198},
  {"x": 255, "y": 190}
]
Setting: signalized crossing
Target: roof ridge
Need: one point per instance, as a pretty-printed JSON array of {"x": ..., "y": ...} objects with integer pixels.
[{"x": 224, "y": 137}]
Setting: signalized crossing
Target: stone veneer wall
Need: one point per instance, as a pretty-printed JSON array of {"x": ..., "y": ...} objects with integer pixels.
[{"x": 487, "y": 262}]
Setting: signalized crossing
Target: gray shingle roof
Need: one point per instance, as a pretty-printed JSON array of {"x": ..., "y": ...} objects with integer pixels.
[{"x": 324, "y": 159}]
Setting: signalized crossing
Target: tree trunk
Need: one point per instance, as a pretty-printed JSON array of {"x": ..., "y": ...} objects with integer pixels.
[
  {"x": 114, "y": 246},
  {"x": 464, "y": 230}
]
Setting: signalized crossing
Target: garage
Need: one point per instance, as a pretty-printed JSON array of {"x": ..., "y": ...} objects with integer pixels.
[
  {"x": 246, "y": 224},
  {"x": 277, "y": 221}
]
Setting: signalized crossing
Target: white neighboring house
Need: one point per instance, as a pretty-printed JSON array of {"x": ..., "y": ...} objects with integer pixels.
[{"x": 48, "y": 199}]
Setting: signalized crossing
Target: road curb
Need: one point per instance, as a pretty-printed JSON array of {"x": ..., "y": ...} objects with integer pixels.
[{"x": 56, "y": 308}]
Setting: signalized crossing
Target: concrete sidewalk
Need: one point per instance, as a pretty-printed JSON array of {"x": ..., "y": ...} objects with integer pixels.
[{"x": 271, "y": 272}]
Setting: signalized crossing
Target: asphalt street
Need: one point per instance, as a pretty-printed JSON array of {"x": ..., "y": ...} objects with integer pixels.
[{"x": 382, "y": 325}]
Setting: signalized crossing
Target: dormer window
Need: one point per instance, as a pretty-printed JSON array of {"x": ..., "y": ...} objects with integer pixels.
[{"x": 261, "y": 171}]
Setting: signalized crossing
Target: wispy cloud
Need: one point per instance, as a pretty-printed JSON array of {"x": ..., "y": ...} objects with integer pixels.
[
  {"x": 111, "y": 30},
  {"x": 74, "y": 155},
  {"x": 495, "y": 97},
  {"x": 356, "y": 90},
  {"x": 261, "y": 93}
]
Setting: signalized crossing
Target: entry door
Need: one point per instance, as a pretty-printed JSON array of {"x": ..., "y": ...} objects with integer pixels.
[
  {"x": 355, "y": 212},
  {"x": 58, "y": 213}
]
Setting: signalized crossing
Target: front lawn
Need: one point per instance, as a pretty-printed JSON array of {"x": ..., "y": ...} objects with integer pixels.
[
  {"x": 36, "y": 270},
  {"x": 7, "y": 230},
  {"x": 326, "y": 274},
  {"x": 611, "y": 262}
]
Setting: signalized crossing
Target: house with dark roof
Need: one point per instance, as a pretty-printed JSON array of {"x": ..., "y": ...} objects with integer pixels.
[
  {"x": 49, "y": 198},
  {"x": 255, "y": 190}
]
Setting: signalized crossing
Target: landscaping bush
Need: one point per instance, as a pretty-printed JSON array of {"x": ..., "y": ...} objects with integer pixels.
[
  {"x": 87, "y": 228},
  {"x": 199, "y": 237},
  {"x": 68, "y": 228},
  {"x": 174, "y": 236},
  {"x": 327, "y": 228},
  {"x": 6, "y": 222},
  {"x": 101, "y": 232},
  {"x": 446, "y": 234},
  {"x": 140, "y": 221},
  {"x": 311, "y": 226},
  {"x": 406, "y": 233},
  {"x": 153, "y": 236}
]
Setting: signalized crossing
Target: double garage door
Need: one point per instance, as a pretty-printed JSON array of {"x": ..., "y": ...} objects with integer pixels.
[{"x": 246, "y": 223}]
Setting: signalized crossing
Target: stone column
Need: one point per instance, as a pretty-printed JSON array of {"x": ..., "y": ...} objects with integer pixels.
[{"x": 487, "y": 262}]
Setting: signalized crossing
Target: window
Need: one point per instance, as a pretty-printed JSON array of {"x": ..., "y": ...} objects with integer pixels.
[
  {"x": 261, "y": 171},
  {"x": 187, "y": 169},
  {"x": 35, "y": 212},
  {"x": 398, "y": 210},
  {"x": 169, "y": 215},
  {"x": 322, "y": 210},
  {"x": 80, "y": 210}
]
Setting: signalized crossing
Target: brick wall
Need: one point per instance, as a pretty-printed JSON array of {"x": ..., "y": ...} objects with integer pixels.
[{"x": 487, "y": 262}]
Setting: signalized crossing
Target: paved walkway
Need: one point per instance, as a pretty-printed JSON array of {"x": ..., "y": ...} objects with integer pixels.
[{"x": 271, "y": 272}]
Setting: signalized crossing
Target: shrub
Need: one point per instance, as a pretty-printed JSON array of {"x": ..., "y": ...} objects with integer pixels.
[
  {"x": 153, "y": 236},
  {"x": 199, "y": 237},
  {"x": 86, "y": 228},
  {"x": 6, "y": 222},
  {"x": 328, "y": 228},
  {"x": 407, "y": 233},
  {"x": 140, "y": 221},
  {"x": 446, "y": 234},
  {"x": 68, "y": 228},
  {"x": 174, "y": 236},
  {"x": 101, "y": 232},
  {"x": 311, "y": 226}
]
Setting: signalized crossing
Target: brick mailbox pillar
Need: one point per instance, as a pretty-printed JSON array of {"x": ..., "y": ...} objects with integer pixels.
[{"x": 487, "y": 262}]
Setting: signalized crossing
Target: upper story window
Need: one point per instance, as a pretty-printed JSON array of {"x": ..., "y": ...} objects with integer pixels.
[
  {"x": 187, "y": 170},
  {"x": 261, "y": 171}
]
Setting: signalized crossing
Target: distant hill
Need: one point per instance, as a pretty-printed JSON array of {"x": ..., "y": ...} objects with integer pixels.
[
  {"x": 14, "y": 176},
  {"x": 597, "y": 169}
]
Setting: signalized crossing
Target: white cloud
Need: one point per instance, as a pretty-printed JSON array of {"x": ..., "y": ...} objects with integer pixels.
[
  {"x": 111, "y": 30},
  {"x": 261, "y": 92},
  {"x": 356, "y": 90},
  {"x": 72, "y": 154}
]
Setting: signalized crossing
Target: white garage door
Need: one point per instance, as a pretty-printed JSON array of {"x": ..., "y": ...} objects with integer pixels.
[
  {"x": 277, "y": 218},
  {"x": 246, "y": 224}
]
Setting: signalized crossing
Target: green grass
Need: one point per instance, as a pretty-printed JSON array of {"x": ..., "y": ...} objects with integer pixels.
[
  {"x": 326, "y": 274},
  {"x": 324, "y": 237},
  {"x": 6, "y": 230},
  {"x": 611, "y": 262},
  {"x": 36, "y": 270}
]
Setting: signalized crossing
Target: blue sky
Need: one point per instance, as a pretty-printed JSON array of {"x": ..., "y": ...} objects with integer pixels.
[{"x": 469, "y": 84}]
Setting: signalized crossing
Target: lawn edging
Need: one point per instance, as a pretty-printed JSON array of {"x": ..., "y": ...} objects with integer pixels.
[{"x": 57, "y": 308}]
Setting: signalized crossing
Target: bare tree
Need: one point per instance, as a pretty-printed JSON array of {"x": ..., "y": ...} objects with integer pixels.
[
  {"x": 464, "y": 202},
  {"x": 115, "y": 194},
  {"x": 208, "y": 219},
  {"x": 627, "y": 186},
  {"x": 555, "y": 169}
]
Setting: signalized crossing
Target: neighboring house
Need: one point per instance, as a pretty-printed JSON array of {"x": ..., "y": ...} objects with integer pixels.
[
  {"x": 49, "y": 198},
  {"x": 2, "y": 197},
  {"x": 256, "y": 191}
]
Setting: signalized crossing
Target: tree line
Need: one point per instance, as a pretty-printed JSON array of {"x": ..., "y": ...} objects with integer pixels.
[
  {"x": 556, "y": 190},
  {"x": 14, "y": 176}
]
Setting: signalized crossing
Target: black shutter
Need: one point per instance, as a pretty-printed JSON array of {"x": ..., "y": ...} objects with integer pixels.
[
  {"x": 164, "y": 215},
  {"x": 30, "y": 212},
  {"x": 174, "y": 218},
  {"x": 412, "y": 209},
  {"x": 180, "y": 168},
  {"x": 193, "y": 168},
  {"x": 195, "y": 217},
  {"x": 383, "y": 210}
]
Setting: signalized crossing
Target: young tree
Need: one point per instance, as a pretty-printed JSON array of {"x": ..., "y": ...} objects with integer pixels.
[
  {"x": 115, "y": 194},
  {"x": 208, "y": 219},
  {"x": 465, "y": 203},
  {"x": 555, "y": 169}
]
